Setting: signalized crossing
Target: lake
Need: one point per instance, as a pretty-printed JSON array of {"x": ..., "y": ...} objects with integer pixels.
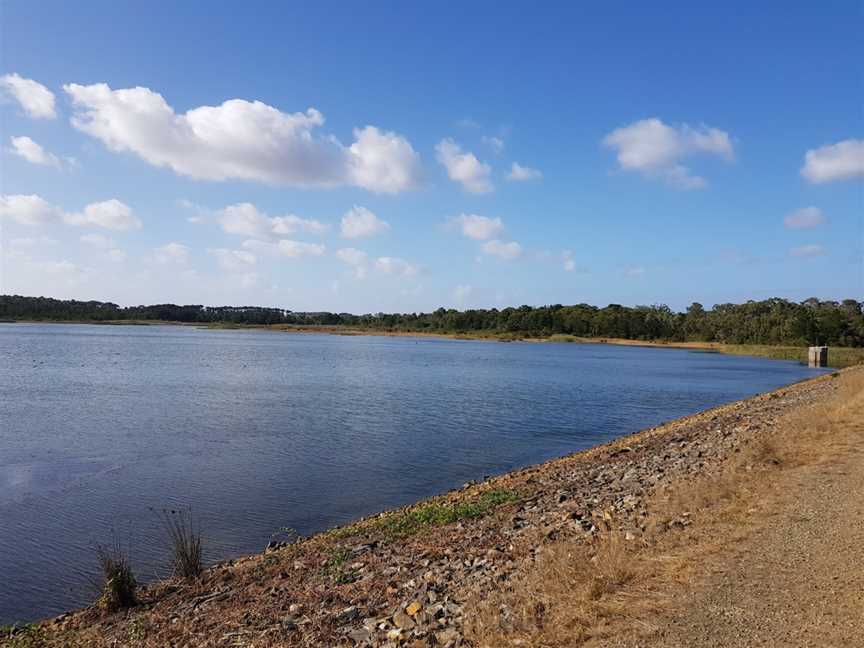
[{"x": 100, "y": 426}]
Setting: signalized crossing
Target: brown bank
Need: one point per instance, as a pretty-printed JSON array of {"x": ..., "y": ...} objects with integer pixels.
[{"x": 738, "y": 526}]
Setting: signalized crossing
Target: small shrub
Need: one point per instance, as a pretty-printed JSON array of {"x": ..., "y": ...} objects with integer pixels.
[
  {"x": 118, "y": 582},
  {"x": 185, "y": 541}
]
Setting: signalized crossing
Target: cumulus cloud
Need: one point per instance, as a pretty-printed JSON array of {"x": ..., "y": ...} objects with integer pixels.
[
  {"x": 355, "y": 258},
  {"x": 36, "y": 100},
  {"x": 519, "y": 173},
  {"x": 110, "y": 214},
  {"x": 285, "y": 247},
  {"x": 359, "y": 222},
  {"x": 479, "y": 228},
  {"x": 655, "y": 149},
  {"x": 841, "y": 161},
  {"x": 395, "y": 266},
  {"x": 171, "y": 253},
  {"x": 27, "y": 149},
  {"x": 807, "y": 251},
  {"x": 242, "y": 140},
  {"x": 465, "y": 168},
  {"x": 506, "y": 251},
  {"x": 244, "y": 219},
  {"x": 28, "y": 209},
  {"x": 805, "y": 218},
  {"x": 232, "y": 259},
  {"x": 35, "y": 210}
]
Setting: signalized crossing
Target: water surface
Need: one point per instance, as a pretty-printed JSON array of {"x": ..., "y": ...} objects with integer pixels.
[{"x": 256, "y": 430}]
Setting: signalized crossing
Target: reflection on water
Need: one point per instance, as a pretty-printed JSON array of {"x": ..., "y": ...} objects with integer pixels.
[{"x": 258, "y": 430}]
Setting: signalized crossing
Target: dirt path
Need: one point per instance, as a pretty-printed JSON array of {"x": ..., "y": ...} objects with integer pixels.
[{"x": 796, "y": 580}]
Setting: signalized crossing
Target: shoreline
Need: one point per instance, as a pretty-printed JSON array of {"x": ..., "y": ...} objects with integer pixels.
[
  {"x": 838, "y": 357},
  {"x": 447, "y": 548}
]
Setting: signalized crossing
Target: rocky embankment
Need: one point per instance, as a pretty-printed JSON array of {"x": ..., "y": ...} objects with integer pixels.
[{"x": 410, "y": 577}]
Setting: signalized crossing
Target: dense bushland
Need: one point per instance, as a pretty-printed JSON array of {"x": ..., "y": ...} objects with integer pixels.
[{"x": 772, "y": 321}]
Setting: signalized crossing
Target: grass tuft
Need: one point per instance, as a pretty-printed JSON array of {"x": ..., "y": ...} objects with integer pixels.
[
  {"x": 119, "y": 586},
  {"x": 185, "y": 541}
]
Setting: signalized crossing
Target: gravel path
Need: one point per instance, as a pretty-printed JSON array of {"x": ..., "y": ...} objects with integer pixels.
[{"x": 798, "y": 579}]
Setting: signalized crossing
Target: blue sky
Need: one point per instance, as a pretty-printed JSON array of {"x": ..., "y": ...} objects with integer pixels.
[{"x": 664, "y": 154}]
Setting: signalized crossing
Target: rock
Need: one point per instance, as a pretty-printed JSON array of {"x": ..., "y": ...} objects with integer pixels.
[
  {"x": 403, "y": 621},
  {"x": 347, "y": 615},
  {"x": 413, "y": 608}
]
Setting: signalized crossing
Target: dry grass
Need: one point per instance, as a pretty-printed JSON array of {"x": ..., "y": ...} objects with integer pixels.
[
  {"x": 572, "y": 592},
  {"x": 575, "y": 591}
]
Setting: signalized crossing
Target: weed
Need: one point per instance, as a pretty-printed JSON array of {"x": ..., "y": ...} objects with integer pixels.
[
  {"x": 410, "y": 522},
  {"x": 186, "y": 557},
  {"x": 118, "y": 582}
]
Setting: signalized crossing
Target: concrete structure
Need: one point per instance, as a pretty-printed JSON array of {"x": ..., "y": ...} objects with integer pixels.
[{"x": 817, "y": 356}]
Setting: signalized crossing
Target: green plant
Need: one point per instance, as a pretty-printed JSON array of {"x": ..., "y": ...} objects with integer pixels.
[
  {"x": 119, "y": 585},
  {"x": 409, "y": 522},
  {"x": 185, "y": 541}
]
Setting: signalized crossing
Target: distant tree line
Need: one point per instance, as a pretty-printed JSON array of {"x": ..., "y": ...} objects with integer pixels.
[{"x": 772, "y": 321}]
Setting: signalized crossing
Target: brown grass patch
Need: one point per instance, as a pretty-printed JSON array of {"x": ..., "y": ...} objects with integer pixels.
[{"x": 575, "y": 591}]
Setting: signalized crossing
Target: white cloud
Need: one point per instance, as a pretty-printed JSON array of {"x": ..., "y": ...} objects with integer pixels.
[
  {"x": 807, "y": 251},
  {"x": 479, "y": 228},
  {"x": 28, "y": 210},
  {"x": 841, "y": 161},
  {"x": 200, "y": 214},
  {"x": 464, "y": 168},
  {"x": 359, "y": 222},
  {"x": 242, "y": 140},
  {"x": 36, "y": 100},
  {"x": 34, "y": 210},
  {"x": 383, "y": 162},
  {"x": 32, "y": 242},
  {"x": 232, "y": 259},
  {"x": 494, "y": 143},
  {"x": 568, "y": 261},
  {"x": 462, "y": 293},
  {"x": 395, "y": 266},
  {"x": 171, "y": 253},
  {"x": 98, "y": 241},
  {"x": 352, "y": 256},
  {"x": 245, "y": 219},
  {"x": 105, "y": 243},
  {"x": 506, "y": 251},
  {"x": 27, "y": 149},
  {"x": 285, "y": 247},
  {"x": 655, "y": 149},
  {"x": 519, "y": 173},
  {"x": 111, "y": 214},
  {"x": 355, "y": 258},
  {"x": 805, "y": 218}
]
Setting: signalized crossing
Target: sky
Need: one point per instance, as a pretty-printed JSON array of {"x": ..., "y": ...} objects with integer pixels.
[{"x": 391, "y": 156}]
